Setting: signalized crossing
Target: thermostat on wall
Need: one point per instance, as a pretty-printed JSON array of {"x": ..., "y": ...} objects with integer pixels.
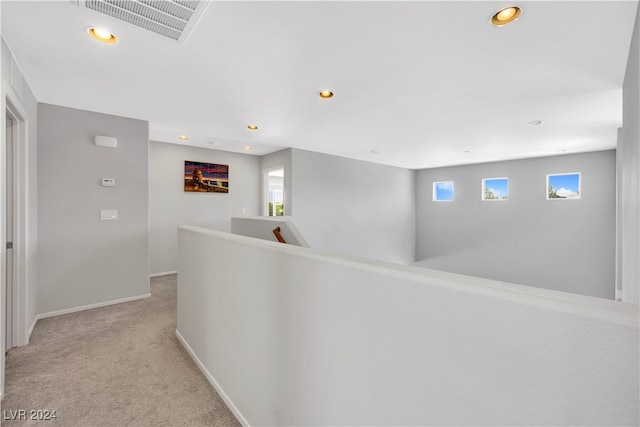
[
  {"x": 106, "y": 141},
  {"x": 108, "y": 182}
]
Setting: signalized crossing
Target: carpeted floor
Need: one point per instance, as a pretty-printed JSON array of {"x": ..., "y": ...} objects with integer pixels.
[{"x": 113, "y": 366}]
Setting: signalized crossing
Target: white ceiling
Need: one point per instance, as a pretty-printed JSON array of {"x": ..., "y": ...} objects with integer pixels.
[{"x": 418, "y": 84}]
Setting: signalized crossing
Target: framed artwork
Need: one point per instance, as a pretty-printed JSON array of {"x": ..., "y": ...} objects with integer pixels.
[
  {"x": 443, "y": 191},
  {"x": 563, "y": 186},
  {"x": 495, "y": 189},
  {"x": 205, "y": 177}
]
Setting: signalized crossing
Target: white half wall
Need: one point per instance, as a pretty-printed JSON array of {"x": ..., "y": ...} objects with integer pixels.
[
  {"x": 262, "y": 228},
  {"x": 170, "y": 206},
  {"x": 304, "y": 337}
]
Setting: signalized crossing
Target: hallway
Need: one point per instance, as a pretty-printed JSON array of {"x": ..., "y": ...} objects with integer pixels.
[{"x": 112, "y": 366}]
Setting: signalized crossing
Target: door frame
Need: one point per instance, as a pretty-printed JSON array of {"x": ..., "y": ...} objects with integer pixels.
[
  {"x": 265, "y": 189},
  {"x": 11, "y": 103},
  {"x": 11, "y": 134}
]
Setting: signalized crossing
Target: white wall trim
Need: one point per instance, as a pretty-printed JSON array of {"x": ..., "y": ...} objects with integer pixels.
[
  {"x": 32, "y": 328},
  {"x": 164, "y": 273},
  {"x": 90, "y": 306},
  {"x": 12, "y": 101},
  {"x": 213, "y": 381}
]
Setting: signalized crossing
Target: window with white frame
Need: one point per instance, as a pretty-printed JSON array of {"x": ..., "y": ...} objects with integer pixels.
[
  {"x": 443, "y": 191},
  {"x": 563, "y": 186},
  {"x": 495, "y": 189}
]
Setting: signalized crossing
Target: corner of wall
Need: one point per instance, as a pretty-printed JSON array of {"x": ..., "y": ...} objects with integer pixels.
[{"x": 629, "y": 175}]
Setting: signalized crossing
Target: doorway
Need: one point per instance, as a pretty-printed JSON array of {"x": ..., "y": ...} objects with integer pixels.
[
  {"x": 11, "y": 129},
  {"x": 274, "y": 191}
]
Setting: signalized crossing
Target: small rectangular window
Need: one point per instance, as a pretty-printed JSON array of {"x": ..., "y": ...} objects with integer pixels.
[
  {"x": 563, "y": 186},
  {"x": 443, "y": 191},
  {"x": 495, "y": 189}
]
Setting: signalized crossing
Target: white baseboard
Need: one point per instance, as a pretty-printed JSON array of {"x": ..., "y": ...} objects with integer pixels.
[
  {"x": 89, "y": 307},
  {"x": 164, "y": 273},
  {"x": 213, "y": 382},
  {"x": 33, "y": 326}
]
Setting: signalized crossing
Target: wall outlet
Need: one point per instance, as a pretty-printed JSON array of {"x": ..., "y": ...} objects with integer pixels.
[{"x": 108, "y": 182}]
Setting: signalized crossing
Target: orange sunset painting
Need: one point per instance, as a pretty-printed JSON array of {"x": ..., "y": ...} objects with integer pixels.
[{"x": 205, "y": 177}]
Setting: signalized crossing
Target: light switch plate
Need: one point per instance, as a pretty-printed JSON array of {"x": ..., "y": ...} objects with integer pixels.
[{"x": 108, "y": 215}]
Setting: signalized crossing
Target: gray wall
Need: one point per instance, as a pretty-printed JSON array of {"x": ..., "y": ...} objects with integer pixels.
[
  {"x": 629, "y": 178},
  {"x": 564, "y": 245},
  {"x": 354, "y": 207},
  {"x": 171, "y": 207},
  {"x": 279, "y": 158},
  {"x": 83, "y": 260}
]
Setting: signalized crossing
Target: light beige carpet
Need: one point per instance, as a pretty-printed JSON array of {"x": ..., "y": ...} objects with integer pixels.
[{"x": 113, "y": 366}]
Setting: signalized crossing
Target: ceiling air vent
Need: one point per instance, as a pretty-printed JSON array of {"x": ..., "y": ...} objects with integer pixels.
[{"x": 170, "y": 18}]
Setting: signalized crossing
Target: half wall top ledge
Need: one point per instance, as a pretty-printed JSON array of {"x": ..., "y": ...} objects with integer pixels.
[{"x": 263, "y": 228}]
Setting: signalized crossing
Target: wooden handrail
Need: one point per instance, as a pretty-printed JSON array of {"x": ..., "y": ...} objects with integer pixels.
[{"x": 276, "y": 231}]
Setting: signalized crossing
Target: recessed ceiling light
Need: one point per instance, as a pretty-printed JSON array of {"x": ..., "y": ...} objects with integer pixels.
[
  {"x": 252, "y": 127},
  {"x": 535, "y": 122},
  {"x": 102, "y": 35},
  {"x": 247, "y": 148},
  {"x": 325, "y": 94},
  {"x": 467, "y": 151},
  {"x": 505, "y": 16},
  {"x": 183, "y": 137}
]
